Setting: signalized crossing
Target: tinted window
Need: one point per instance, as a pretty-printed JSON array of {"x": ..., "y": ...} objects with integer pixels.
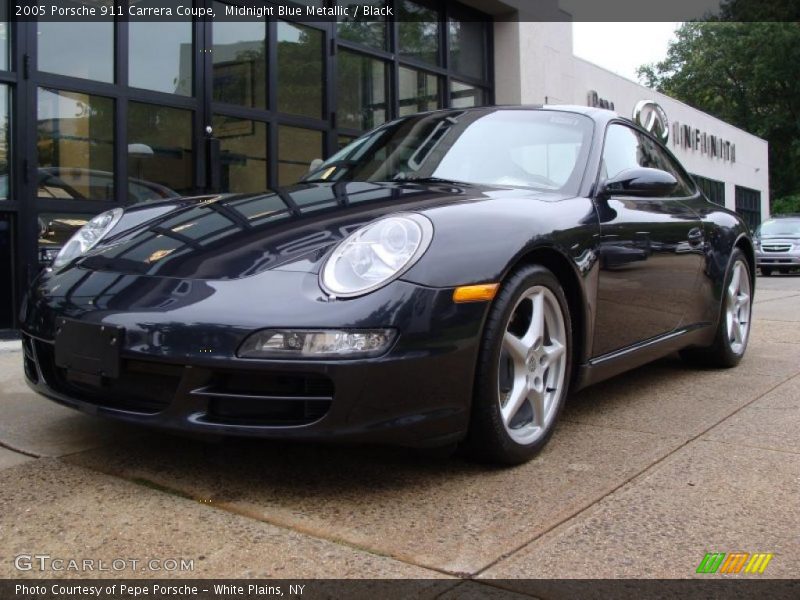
[
  {"x": 77, "y": 49},
  {"x": 4, "y": 36},
  {"x": 544, "y": 150},
  {"x": 418, "y": 31},
  {"x": 468, "y": 47},
  {"x": 240, "y": 61},
  {"x": 300, "y": 65},
  {"x": 748, "y": 205},
  {"x": 626, "y": 148},
  {"x": 161, "y": 55},
  {"x": 369, "y": 31},
  {"x": 243, "y": 156},
  {"x": 463, "y": 95},
  {"x": 419, "y": 91},
  {"x": 361, "y": 90},
  {"x": 75, "y": 145},
  {"x": 713, "y": 189},
  {"x": 159, "y": 148}
]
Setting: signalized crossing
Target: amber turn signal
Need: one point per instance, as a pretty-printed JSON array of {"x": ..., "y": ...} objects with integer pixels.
[{"x": 475, "y": 293}]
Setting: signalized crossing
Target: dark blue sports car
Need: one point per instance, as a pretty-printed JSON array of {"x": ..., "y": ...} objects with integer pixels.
[{"x": 445, "y": 279}]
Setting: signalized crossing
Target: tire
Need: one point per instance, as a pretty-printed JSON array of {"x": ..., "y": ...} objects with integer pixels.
[
  {"x": 527, "y": 368},
  {"x": 765, "y": 271},
  {"x": 730, "y": 342}
]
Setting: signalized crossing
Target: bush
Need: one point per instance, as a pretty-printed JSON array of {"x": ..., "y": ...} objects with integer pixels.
[{"x": 787, "y": 204}]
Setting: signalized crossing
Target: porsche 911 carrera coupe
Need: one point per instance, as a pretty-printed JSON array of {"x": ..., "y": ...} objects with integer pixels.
[{"x": 446, "y": 279}]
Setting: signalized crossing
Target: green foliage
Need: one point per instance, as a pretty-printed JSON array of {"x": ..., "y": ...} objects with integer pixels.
[
  {"x": 746, "y": 74},
  {"x": 786, "y": 205}
]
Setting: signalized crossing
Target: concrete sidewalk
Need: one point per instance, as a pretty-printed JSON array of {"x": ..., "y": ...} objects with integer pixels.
[{"x": 645, "y": 474}]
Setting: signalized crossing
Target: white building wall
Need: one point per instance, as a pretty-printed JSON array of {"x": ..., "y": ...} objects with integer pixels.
[{"x": 534, "y": 64}]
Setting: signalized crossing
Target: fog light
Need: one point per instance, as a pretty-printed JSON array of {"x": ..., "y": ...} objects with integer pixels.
[{"x": 304, "y": 343}]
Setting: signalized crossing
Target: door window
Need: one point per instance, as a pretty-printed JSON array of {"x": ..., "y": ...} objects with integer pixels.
[{"x": 626, "y": 148}]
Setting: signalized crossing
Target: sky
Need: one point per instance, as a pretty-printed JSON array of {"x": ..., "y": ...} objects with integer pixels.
[{"x": 622, "y": 47}]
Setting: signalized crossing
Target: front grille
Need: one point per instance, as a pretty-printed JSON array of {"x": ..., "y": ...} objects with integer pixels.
[
  {"x": 141, "y": 387},
  {"x": 265, "y": 398},
  {"x": 776, "y": 247}
]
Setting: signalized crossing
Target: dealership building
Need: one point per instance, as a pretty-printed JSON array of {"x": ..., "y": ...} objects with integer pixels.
[{"x": 96, "y": 115}]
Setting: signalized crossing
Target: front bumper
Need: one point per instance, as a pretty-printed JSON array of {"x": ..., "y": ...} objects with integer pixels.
[{"x": 179, "y": 368}]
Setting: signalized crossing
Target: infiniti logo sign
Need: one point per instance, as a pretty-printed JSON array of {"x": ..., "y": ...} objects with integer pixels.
[{"x": 652, "y": 117}]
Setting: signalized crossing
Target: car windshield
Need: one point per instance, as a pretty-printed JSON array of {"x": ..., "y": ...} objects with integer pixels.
[
  {"x": 540, "y": 149},
  {"x": 779, "y": 227}
]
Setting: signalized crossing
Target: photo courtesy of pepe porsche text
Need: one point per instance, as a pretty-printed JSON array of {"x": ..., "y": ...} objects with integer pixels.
[{"x": 144, "y": 589}]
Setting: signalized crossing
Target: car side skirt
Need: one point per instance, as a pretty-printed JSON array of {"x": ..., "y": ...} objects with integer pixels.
[{"x": 616, "y": 362}]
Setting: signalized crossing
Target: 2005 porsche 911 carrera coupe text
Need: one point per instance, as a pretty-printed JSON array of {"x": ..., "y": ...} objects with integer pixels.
[{"x": 446, "y": 278}]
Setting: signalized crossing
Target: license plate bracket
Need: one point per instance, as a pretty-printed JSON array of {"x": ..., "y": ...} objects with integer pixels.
[{"x": 88, "y": 347}]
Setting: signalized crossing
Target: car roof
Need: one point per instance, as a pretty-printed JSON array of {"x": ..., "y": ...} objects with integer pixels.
[{"x": 598, "y": 114}]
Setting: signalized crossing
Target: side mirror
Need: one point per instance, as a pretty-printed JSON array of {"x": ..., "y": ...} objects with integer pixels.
[
  {"x": 640, "y": 181},
  {"x": 315, "y": 164}
]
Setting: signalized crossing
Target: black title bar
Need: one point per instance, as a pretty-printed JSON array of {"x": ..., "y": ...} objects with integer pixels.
[{"x": 360, "y": 10}]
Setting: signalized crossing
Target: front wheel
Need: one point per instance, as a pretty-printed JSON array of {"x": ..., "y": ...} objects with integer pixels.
[
  {"x": 733, "y": 330},
  {"x": 523, "y": 368}
]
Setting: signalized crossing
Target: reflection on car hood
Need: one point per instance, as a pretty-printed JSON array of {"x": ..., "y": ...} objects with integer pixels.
[{"x": 234, "y": 236}]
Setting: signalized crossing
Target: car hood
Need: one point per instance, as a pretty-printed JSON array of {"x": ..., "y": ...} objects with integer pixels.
[{"x": 235, "y": 236}]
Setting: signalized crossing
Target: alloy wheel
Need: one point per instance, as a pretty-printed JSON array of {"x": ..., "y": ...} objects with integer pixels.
[
  {"x": 738, "y": 308},
  {"x": 533, "y": 365}
]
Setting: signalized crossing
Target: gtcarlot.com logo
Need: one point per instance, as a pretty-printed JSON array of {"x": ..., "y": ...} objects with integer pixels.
[
  {"x": 46, "y": 562},
  {"x": 734, "y": 562}
]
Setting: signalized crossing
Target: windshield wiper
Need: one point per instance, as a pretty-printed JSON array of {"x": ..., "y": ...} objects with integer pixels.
[{"x": 435, "y": 180}]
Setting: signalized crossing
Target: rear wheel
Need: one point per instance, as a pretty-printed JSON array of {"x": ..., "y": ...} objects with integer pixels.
[
  {"x": 733, "y": 330},
  {"x": 523, "y": 370},
  {"x": 765, "y": 271}
]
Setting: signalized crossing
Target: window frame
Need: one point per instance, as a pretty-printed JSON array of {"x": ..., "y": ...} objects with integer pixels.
[{"x": 689, "y": 180}]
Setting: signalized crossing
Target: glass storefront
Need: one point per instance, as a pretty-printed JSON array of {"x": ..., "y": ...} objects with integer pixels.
[{"x": 112, "y": 114}]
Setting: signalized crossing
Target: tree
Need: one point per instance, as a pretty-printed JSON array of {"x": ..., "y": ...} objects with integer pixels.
[
  {"x": 745, "y": 73},
  {"x": 786, "y": 205}
]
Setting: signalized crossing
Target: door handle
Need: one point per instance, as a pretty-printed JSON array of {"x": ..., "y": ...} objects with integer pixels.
[{"x": 696, "y": 236}]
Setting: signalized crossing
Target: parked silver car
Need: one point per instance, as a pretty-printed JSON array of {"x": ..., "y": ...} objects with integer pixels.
[{"x": 778, "y": 244}]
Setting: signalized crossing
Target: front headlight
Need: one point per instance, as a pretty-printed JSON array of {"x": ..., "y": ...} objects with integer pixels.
[
  {"x": 88, "y": 236},
  {"x": 376, "y": 254}
]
